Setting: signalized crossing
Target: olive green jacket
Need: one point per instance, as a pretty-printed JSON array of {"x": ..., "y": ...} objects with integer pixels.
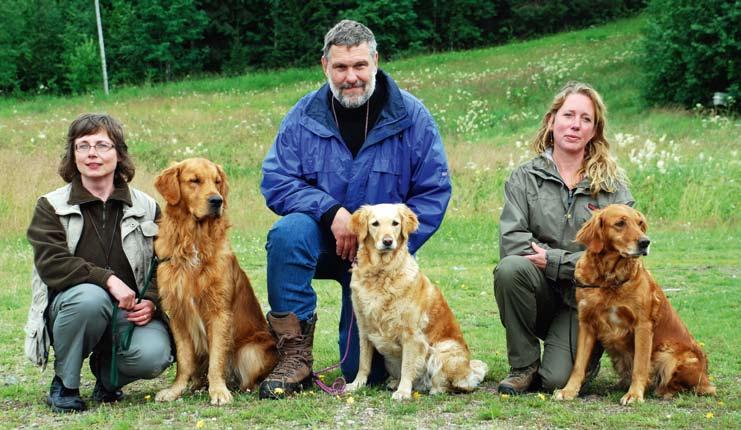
[{"x": 538, "y": 207}]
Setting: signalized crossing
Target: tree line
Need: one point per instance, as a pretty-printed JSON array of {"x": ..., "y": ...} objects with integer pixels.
[{"x": 51, "y": 46}]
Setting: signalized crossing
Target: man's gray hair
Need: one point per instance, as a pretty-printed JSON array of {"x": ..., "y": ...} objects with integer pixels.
[{"x": 349, "y": 33}]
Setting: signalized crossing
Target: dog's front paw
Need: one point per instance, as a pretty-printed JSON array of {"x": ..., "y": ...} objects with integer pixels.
[
  {"x": 631, "y": 396},
  {"x": 564, "y": 394},
  {"x": 220, "y": 396},
  {"x": 400, "y": 395},
  {"x": 168, "y": 395},
  {"x": 355, "y": 385}
]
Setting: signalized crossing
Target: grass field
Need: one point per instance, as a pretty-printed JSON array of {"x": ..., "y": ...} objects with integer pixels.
[{"x": 685, "y": 173}]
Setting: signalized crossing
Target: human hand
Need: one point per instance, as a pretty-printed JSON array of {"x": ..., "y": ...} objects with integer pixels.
[
  {"x": 346, "y": 240},
  {"x": 539, "y": 258},
  {"x": 142, "y": 312},
  {"x": 121, "y": 292}
]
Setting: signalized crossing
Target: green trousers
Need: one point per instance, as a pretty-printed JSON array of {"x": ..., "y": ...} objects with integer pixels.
[
  {"x": 80, "y": 324},
  {"x": 531, "y": 310}
]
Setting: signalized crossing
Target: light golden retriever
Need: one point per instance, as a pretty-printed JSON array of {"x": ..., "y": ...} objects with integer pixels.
[
  {"x": 401, "y": 313},
  {"x": 627, "y": 311},
  {"x": 215, "y": 318}
]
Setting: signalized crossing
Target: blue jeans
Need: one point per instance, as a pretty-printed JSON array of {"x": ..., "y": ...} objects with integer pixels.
[{"x": 298, "y": 251}]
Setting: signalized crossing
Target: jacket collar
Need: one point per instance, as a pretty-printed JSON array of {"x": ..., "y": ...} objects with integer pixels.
[
  {"x": 80, "y": 195},
  {"x": 545, "y": 168},
  {"x": 320, "y": 120}
]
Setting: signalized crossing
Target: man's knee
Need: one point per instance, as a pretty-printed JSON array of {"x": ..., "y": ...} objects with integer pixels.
[{"x": 289, "y": 231}]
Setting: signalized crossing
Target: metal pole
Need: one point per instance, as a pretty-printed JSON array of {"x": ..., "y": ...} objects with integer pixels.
[{"x": 102, "y": 46}]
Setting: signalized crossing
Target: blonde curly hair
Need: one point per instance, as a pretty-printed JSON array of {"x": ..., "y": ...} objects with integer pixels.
[{"x": 599, "y": 166}]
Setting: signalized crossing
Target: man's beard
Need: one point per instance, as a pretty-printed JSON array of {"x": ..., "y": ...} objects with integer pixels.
[{"x": 352, "y": 102}]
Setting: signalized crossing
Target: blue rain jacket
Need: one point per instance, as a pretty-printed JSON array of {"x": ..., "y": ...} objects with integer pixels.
[{"x": 309, "y": 169}]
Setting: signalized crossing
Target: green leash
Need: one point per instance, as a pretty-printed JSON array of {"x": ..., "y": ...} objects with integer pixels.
[{"x": 125, "y": 340}]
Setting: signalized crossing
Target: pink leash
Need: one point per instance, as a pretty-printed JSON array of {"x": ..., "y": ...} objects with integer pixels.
[{"x": 338, "y": 386}]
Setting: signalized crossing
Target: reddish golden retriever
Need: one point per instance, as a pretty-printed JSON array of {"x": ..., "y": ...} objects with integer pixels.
[
  {"x": 401, "y": 313},
  {"x": 627, "y": 311},
  {"x": 215, "y": 318}
]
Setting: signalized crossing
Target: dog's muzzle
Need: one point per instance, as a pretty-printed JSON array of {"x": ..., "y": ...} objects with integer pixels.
[
  {"x": 643, "y": 244},
  {"x": 387, "y": 244},
  {"x": 214, "y": 205}
]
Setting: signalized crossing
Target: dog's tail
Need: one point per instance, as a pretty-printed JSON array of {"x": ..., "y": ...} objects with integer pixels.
[{"x": 476, "y": 374}]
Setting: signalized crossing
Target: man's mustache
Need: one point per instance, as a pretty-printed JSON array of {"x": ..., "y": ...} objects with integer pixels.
[{"x": 358, "y": 84}]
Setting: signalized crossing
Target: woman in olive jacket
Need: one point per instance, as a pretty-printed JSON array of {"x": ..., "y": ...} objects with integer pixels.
[
  {"x": 547, "y": 200},
  {"x": 93, "y": 247}
]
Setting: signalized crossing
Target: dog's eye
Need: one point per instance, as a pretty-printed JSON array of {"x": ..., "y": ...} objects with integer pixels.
[
  {"x": 395, "y": 223},
  {"x": 375, "y": 224},
  {"x": 195, "y": 181},
  {"x": 620, "y": 223}
]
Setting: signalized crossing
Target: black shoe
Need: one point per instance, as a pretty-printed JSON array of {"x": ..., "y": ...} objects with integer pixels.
[
  {"x": 103, "y": 395},
  {"x": 63, "y": 399}
]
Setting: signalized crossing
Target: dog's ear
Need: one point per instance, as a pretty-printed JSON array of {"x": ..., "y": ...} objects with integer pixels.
[
  {"x": 359, "y": 223},
  {"x": 222, "y": 186},
  {"x": 590, "y": 234},
  {"x": 167, "y": 183},
  {"x": 409, "y": 221},
  {"x": 642, "y": 224}
]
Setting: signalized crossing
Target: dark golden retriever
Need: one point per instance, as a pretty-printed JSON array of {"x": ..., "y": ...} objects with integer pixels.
[
  {"x": 215, "y": 318},
  {"x": 626, "y": 310},
  {"x": 401, "y": 313}
]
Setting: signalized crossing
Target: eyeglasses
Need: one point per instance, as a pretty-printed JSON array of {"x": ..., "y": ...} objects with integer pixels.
[{"x": 100, "y": 147}]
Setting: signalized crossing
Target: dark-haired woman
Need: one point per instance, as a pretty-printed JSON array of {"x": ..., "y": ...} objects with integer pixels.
[{"x": 93, "y": 247}]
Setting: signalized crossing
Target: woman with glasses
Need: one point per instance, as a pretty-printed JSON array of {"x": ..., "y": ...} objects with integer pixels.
[{"x": 93, "y": 248}]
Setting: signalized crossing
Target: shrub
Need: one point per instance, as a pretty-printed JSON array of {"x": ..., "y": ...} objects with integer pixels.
[{"x": 691, "y": 50}]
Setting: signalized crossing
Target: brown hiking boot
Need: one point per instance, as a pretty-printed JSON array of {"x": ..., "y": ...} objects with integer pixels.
[
  {"x": 295, "y": 340},
  {"x": 519, "y": 379}
]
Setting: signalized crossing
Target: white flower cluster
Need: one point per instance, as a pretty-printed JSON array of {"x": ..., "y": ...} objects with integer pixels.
[{"x": 649, "y": 155}]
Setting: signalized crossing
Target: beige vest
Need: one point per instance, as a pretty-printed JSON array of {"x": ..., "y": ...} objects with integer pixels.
[{"x": 137, "y": 236}]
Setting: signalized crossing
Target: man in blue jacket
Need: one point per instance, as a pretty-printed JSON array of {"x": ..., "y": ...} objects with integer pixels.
[{"x": 358, "y": 140}]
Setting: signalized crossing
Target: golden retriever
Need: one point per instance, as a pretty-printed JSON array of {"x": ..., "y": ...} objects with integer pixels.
[
  {"x": 401, "y": 313},
  {"x": 215, "y": 318},
  {"x": 625, "y": 309}
]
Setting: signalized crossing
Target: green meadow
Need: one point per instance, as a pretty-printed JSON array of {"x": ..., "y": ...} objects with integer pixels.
[{"x": 685, "y": 173}]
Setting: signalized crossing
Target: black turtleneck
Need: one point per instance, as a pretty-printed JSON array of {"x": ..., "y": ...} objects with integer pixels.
[
  {"x": 352, "y": 128},
  {"x": 351, "y": 122}
]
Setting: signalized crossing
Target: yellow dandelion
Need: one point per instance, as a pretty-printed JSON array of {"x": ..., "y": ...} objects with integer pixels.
[
  {"x": 709, "y": 415},
  {"x": 504, "y": 396},
  {"x": 278, "y": 391},
  {"x": 147, "y": 397},
  {"x": 702, "y": 344},
  {"x": 541, "y": 396},
  {"x": 720, "y": 403},
  {"x": 416, "y": 395},
  {"x": 321, "y": 378},
  {"x": 350, "y": 400},
  {"x": 711, "y": 378},
  {"x": 463, "y": 286},
  {"x": 200, "y": 424}
]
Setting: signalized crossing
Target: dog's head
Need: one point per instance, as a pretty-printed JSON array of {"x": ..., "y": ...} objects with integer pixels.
[
  {"x": 196, "y": 185},
  {"x": 384, "y": 227},
  {"x": 618, "y": 229}
]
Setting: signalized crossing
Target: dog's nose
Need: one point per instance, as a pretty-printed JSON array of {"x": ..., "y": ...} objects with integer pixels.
[
  {"x": 387, "y": 241},
  {"x": 215, "y": 201},
  {"x": 644, "y": 242}
]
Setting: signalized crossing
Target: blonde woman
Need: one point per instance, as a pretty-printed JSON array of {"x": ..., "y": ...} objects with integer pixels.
[{"x": 546, "y": 201}]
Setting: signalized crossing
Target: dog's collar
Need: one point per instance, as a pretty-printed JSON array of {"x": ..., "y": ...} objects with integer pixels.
[
  {"x": 580, "y": 285},
  {"x": 162, "y": 260}
]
